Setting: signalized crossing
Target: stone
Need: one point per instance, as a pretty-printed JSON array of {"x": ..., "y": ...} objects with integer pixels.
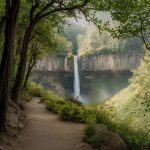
[
  {"x": 12, "y": 120},
  {"x": 12, "y": 133},
  {"x": 99, "y": 62},
  {"x": 107, "y": 140},
  {"x": 20, "y": 126}
]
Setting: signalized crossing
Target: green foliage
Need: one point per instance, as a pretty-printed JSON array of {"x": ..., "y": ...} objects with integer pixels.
[
  {"x": 94, "y": 43},
  {"x": 2, "y": 8},
  {"x": 135, "y": 139},
  {"x": 133, "y": 18},
  {"x": 25, "y": 96},
  {"x": 89, "y": 131},
  {"x": 93, "y": 135},
  {"x": 89, "y": 115},
  {"x": 71, "y": 112}
]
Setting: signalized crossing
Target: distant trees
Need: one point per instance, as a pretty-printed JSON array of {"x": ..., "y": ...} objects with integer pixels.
[
  {"x": 71, "y": 32},
  {"x": 94, "y": 42}
]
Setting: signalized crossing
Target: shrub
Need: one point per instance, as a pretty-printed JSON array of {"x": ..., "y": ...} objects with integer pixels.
[
  {"x": 25, "y": 96},
  {"x": 136, "y": 140},
  {"x": 89, "y": 115},
  {"x": 55, "y": 105},
  {"x": 71, "y": 112},
  {"x": 89, "y": 133},
  {"x": 92, "y": 134},
  {"x": 34, "y": 89}
]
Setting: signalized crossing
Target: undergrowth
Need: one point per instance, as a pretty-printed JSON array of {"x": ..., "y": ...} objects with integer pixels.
[{"x": 71, "y": 111}]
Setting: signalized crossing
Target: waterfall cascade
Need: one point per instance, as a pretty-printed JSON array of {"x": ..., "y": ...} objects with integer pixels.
[{"x": 76, "y": 79}]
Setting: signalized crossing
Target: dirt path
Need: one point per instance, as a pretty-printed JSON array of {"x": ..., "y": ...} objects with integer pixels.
[{"x": 46, "y": 132}]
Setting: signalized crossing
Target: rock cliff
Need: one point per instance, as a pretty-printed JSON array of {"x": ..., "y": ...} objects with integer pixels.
[{"x": 101, "y": 62}]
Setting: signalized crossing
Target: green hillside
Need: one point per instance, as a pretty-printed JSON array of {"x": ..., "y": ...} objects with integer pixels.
[{"x": 132, "y": 104}]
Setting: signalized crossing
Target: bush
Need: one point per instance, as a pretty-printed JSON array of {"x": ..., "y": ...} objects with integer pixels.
[
  {"x": 71, "y": 112},
  {"x": 34, "y": 89},
  {"x": 93, "y": 136},
  {"x": 89, "y": 133},
  {"x": 89, "y": 115},
  {"x": 25, "y": 96},
  {"x": 55, "y": 105},
  {"x": 136, "y": 140}
]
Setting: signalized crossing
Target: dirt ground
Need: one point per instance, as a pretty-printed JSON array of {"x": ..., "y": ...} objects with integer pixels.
[{"x": 45, "y": 131}]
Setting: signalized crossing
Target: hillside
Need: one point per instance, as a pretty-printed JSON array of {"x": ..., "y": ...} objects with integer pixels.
[{"x": 132, "y": 104}]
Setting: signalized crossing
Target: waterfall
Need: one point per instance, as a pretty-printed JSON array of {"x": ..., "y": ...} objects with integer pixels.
[{"x": 76, "y": 79}]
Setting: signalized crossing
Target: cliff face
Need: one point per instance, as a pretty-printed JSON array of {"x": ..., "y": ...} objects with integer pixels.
[
  {"x": 110, "y": 62},
  {"x": 56, "y": 63},
  {"x": 101, "y": 62}
]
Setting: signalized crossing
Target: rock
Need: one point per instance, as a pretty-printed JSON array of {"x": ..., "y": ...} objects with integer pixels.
[
  {"x": 13, "y": 105},
  {"x": 20, "y": 126},
  {"x": 4, "y": 139},
  {"x": 11, "y": 132},
  {"x": 101, "y": 138},
  {"x": 97, "y": 62},
  {"x": 107, "y": 140},
  {"x": 12, "y": 120}
]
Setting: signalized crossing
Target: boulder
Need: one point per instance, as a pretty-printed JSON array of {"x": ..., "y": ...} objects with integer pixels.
[
  {"x": 108, "y": 140},
  {"x": 102, "y": 139}
]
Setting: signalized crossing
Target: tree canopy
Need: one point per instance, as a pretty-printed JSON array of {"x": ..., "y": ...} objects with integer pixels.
[{"x": 133, "y": 19}]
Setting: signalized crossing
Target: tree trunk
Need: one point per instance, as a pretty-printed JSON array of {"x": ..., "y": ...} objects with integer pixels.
[
  {"x": 12, "y": 10},
  {"x": 2, "y": 22},
  {"x": 31, "y": 64},
  {"x": 27, "y": 76},
  {"x": 22, "y": 64}
]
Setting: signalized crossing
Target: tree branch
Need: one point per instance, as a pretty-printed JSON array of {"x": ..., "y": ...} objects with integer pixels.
[
  {"x": 141, "y": 30},
  {"x": 32, "y": 10},
  {"x": 63, "y": 9}
]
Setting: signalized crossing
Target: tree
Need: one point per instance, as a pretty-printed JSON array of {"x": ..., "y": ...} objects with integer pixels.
[
  {"x": 12, "y": 9},
  {"x": 43, "y": 41},
  {"x": 133, "y": 19},
  {"x": 40, "y": 10}
]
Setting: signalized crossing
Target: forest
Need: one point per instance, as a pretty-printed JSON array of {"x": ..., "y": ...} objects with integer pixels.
[{"x": 32, "y": 30}]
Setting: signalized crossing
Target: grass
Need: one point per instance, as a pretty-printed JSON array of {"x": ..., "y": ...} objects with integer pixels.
[{"x": 71, "y": 111}]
